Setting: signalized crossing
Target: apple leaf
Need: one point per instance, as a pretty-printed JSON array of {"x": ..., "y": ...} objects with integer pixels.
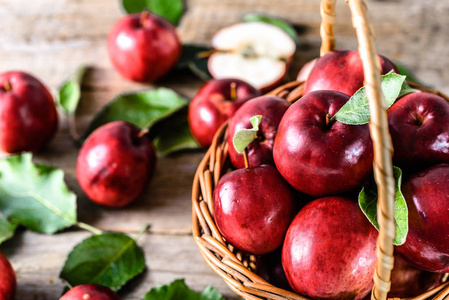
[
  {"x": 110, "y": 259},
  {"x": 143, "y": 108},
  {"x": 244, "y": 137},
  {"x": 179, "y": 290},
  {"x": 7, "y": 229},
  {"x": 194, "y": 57},
  {"x": 284, "y": 25},
  {"x": 356, "y": 110},
  {"x": 35, "y": 195},
  {"x": 368, "y": 204},
  {"x": 70, "y": 91},
  {"x": 172, "y": 10}
]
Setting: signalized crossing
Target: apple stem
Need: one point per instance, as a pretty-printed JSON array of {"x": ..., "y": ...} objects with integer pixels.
[
  {"x": 7, "y": 86},
  {"x": 245, "y": 157},
  {"x": 233, "y": 90},
  {"x": 143, "y": 132},
  {"x": 143, "y": 16},
  {"x": 328, "y": 119},
  {"x": 206, "y": 54}
]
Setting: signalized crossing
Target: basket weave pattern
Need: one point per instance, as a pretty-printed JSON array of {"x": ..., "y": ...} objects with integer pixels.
[{"x": 236, "y": 268}]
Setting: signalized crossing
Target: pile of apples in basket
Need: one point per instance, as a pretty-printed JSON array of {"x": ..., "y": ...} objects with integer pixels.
[{"x": 302, "y": 195}]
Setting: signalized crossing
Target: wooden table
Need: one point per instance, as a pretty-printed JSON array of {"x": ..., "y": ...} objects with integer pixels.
[{"x": 50, "y": 39}]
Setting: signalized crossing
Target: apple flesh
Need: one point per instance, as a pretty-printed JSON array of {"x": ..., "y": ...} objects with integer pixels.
[
  {"x": 214, "y": 104},
  {"x": 341, "y": 71},
  {"x": 329, "y": 250},
  {"x": 8, "y": 281},
  {"x": 143, "y": 47},
  {"x": 427, "y": 197},
  {"x": 256, "y": 52},
  {"x": 252, "y": 215},
  {"x": 90, "y": 292},
  {"x": 115, "y": 164},
  {"x": 260, "y": 151},
  {"x": 28, "y": 116},
  {"x": 419, "y": 128},
  {"x": 319, "y": 157}
]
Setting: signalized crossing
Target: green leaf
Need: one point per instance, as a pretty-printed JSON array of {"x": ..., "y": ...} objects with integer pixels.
[
  {"x": 284, "y": 25},
  {"x": 172, "y": 10},
  {"x": 7, "y": 229},
  {"x": 70, "y": 91},
  {"x": 110, "y": 259},
  {"x": 179, "y": 290},
  {"x": 142, "y": 109},
  {"x": 192, "y": 59},
  {"x": 35, "y": 195},
  {"x": 244, "y": 137},
  {"x": 356, "y": 110},
  {"x": 173, "y": 135},
  {"x": 368, "y": 204}
]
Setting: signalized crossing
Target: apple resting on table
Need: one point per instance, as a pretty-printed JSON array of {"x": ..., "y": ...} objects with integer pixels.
[
  {"x": 28, "y": 116},
  {"x": 214, "y": 104},
  {"x": 319, "y": 156},
  {"x": 329, "y": 250},
  {"x": 341, "y": 71},
  {"x": 115, "y": 164},
  {"x": 260, "y": 151},
  {"x": 143, "y": 47},
  {"x": 419, "y": 129},
  {"x": 90, "y": 292},
  {"x": 427, "y": 197},
  {"x": 8, "y": 281}
]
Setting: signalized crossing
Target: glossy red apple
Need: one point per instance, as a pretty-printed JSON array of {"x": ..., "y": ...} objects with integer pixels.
[
  {"x": 320, "y": 157},
  {"x": 143, "y": 47},
  {"x": 115, "y": 164},
  {"x": 341, "y": 71},
  {"x": 253, "y": 208},
  {"x": 261, "y": 150},
  {"x": 28, "y": 116},
  {"x": 408, "y": 281},
  {"x": 8, "y": 281},
  {"x": 90, "y": 292},
  {"x": 427, "y": 196},
  {"x": 215, "y": 103},
  {"x": 329, "y": 250},
  {"x": 419, "y": 128}
]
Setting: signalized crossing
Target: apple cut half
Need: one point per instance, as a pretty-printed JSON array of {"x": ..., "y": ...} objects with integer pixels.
[{"x": 256, "y": 52}]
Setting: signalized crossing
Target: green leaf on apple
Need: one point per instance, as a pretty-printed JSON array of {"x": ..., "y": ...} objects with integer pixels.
[
  {"x": 143, "y": 108},
  {"x": 283, "y": 24},
  {"x": 356, "y": 110},
  {"x": 110, "y": 259},
  {"x": 172, "y": 10},
  {"x": 244, "y": 137},
  {"x": 7, "y": 229},
  {"x": 35, "y": 195},
  {"x": 179, "y": 290},
  {"x": 194, "y": 58},
  {"x": 368, "y": 204},
  {"x": 69, "y": 93}
]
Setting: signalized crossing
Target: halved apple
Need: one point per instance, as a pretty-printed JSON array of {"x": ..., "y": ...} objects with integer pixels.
[{"x": 256, "y": 52}]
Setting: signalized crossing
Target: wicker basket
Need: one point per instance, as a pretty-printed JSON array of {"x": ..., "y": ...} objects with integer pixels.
[{"x": 236, "y": 268}]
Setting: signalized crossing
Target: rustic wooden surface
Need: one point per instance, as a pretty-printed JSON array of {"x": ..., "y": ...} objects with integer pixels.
[{"x": 50, "y": 39}]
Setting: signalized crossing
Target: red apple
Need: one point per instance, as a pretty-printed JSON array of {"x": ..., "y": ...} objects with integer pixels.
[
  {"x": 304, "y": 73},
  {"x": 115, "y": 164},
  {"x": 253, "y": 208},
  {"x": 320, "y": 157},
  {"x": 427, "y": 196},
  {"x": 8, "y": 282},
  {"x": 216, "y": 102},
  {"x": 329, "y": 250},
  {"x": 143, "y": 47},
  {"x": 261, "y": 150},
  {"x": 90, "y": 292},
  {"x": 28, "y": 116},
  {"x": 419, "y": 128},
  {"x": 408, "y": 281},
  {"x": 341, "y": 71}
]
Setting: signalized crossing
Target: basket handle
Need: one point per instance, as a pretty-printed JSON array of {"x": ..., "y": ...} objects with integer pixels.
[{"x": 383, "y": 149}]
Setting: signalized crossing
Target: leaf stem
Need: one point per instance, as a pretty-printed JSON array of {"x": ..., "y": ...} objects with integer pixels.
[
  {"x": 88, "y": 227},
  {"x": 72, "y": 128},
  {"x": 245, "y": 157},
  {"x": 142, "y": 231}
]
